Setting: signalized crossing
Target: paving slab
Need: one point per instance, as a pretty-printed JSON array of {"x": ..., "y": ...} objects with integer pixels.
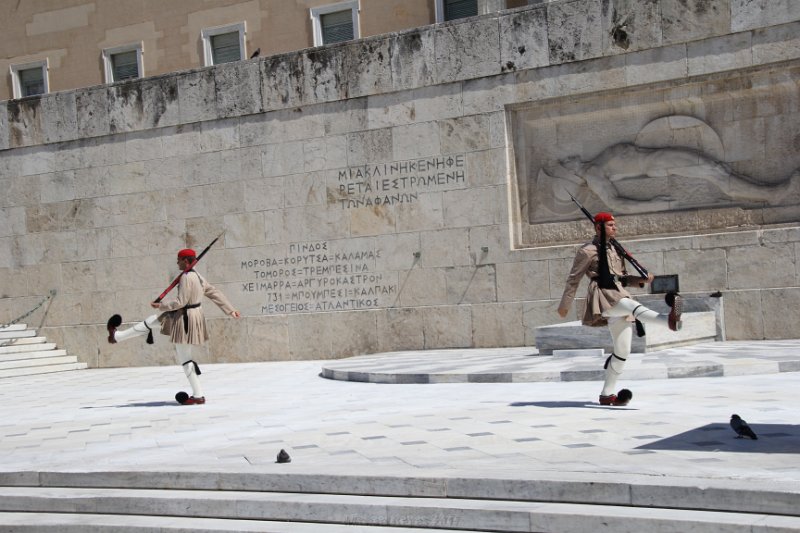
[{"x": 125, "y": 420}]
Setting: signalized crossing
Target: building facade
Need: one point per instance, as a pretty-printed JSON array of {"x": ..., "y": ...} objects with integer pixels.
[
  {"x": 69, "y": 44},
  {"x": 407, "y": 190}
]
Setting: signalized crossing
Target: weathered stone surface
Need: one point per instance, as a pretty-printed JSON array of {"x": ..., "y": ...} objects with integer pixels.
[
  {"x": 238, "y": 88},
  {"x": 746, "y": 267},
  {"x": 522, "y": 281},
  {"x": 776, "y": 43},
  {"x": 412, "y": 57},
  {"x": 417, "y": 105},
  {"x": 160, "y": 101},
  {"x": 372, "y": 146},
  {"x": 574, "y": 31},
  {"x": 470, "y": 285},
  {"x": 688, "y": 20},
  {"x": 447, "y": 326},
  {"x": 281, "y": 81},
  {"x": 497, "y": 325},
  {"x": 126, "y": 107},
  {"x": 197, "y": 99},
  {"x": 323, "y": 74},
  {"x": 524, "y": 40},
  {"x": 422, "y": 286},
  {"x": 657, "y": 64},
  {"x": 473, "y": 207},
  {"x": 728, "y": 52},
  {"x": 750, "y": 14},
  {"x": 467, "y": 49},
  {"x": 25, "y": 122},
  {"x": 4, "y": 144},
  {"x": 367, "y": 67},
  {"x": 60, "y": 117},
  {"x": 629, "y": 25},
  {"x": 415, "y": 141},
  {"x": 400, "y": 329}
]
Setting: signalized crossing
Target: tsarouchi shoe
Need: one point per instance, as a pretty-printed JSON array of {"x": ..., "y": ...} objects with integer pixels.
[{"x": 195, "y": 401}]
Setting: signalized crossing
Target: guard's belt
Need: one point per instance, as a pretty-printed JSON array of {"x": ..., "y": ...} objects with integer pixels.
[{"x": 186, "y": 315}]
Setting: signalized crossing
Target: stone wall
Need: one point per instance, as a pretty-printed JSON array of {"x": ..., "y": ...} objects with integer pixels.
[{"x": 370, "y": 192}]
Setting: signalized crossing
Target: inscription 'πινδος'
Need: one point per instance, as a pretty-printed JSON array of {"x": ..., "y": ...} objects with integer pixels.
[
  {"x": 398, "y": 183},
  {"x": 314, "y": 277}
]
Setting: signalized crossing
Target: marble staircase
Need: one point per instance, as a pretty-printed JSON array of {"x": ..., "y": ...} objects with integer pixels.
[
  {"x": 23, "y": 353},
  {"x": 273, "y": 501}
]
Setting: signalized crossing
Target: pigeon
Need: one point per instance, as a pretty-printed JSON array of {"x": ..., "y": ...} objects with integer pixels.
[
  {"x": 741, "y": 428},
  {"x": 256, "y": 53},
  {"x": 283, "y": 457}
]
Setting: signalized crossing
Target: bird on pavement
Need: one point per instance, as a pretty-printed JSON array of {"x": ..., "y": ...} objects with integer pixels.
[
  {"x": 741, "y": 428},
  {"x": 256, "y": 53}
]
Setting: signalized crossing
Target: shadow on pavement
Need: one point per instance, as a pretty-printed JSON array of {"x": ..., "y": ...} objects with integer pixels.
[
  {"x": 558, "y": 405},
  {"x": 719, "y": 437},
  {"x": 136, "y": 404}
]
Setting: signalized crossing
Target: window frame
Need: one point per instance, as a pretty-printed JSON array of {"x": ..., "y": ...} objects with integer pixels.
[
  {"x": 317, "y": 12},
  {"x": 16, "y": 86},
  {"x": 207, "y": 33},
  {"x": 439, "y": 8},
  {"x": 108, "y": 64}
]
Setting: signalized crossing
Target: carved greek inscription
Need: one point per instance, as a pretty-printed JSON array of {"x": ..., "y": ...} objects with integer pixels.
[
  {"x": 314, "y": 277},
  {"x": 400, "y": 182}
]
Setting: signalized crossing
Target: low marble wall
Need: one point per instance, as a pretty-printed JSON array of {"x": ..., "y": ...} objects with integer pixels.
[{"x": 366, "y": 190}]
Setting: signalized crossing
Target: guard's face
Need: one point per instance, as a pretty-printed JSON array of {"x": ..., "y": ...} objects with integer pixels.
[
  {"x": 183, "y": 263},
  {"x": 611, "y": 229}
]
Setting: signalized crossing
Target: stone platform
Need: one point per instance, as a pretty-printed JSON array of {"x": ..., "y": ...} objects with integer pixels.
[
  {"x": 105, "y": 450},
  {"x": 703, "y": 321}
]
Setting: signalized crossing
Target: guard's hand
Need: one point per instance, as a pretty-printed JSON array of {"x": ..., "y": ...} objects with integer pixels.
[
  {"x": 562, "y": 312},
  {"x": 650, "y": 278},
  {"x": 236, "y": 314},
  {"x": 155, "y": 305}
]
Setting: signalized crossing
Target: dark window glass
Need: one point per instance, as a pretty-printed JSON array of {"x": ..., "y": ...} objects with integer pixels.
[
  {"x": 31, "y": 81},
  {"x": 457, "y": 9},
  {"x": 225, "y": 47},
  {"x": 337, "y": 27},
  {"x": 125, "y": 65}
]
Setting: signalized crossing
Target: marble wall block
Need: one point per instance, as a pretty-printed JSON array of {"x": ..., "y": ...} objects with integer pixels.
[
  {"x": 412, "y": 58},
  {"x": 524, "y": 42},
  {"x": 4, "y": 138},
  {"x": 497, "y": 325},
  {"x": 417, "y": 105},
  {"x": 400, "y": 329},
  {"x": 13, "y": 281},
  {"x": 93, "y": 112},
  {"x": 487, "y": 167},
  {"x": 126, "y": 107},
  {"x": 228, "y": 341},
  {"x": 104, "y": 151},
  {"x": 523, "y": 281},
  {"x": 698, "y": 270},
  {"x": 776, "y": 43},
  {"x": 343, "y": 117},
  {"x": 415, "y": 141},
  {"x": 60, "y": 117},
  {"x": 727, "y": 52},
  {"x": 160, "y": 101},
  {"x": 36, "y": 160},
  {"x": 197, "y": 100},
  {"x": 422, "y": 286},
  {"x": 468, "y": 49},
  {"x": 282, "y": 81},
  {"x": 629, "y": 25},
  {"x": 750, "y": 14},
  {"x": 574, "y": 31},
  {"x": 78, "y": 276},
  {"x": 310, "y": 223},
  {"x": 238, "y": 88},
  {"x": 367, "y": 67},
  {"x": 57, "y": 186},
  {"x": 376, "y": 220},
  {"x": 465, "y": 134},
  {"x": 689, "y": 20},
  {"x": 323, "y": 74},
  {"x": 447, "y": 326},
  {"x": 282, "y": 159},
  {"x": 445, "y": 248},
  {"x": 656, "y": 64},
  {"x": 268, "y": 338},
  {"x": 245, "y": 229},
  {"x": 471, "y": 285},
  {"x": 371, "y": 146},
  {"x": 484, "y": 206},
  {"x": 310, "y": 336},
  {"x": 354, "y": 333},
  {"x": 219, "y": 135},
  {"x": 25, "y": 122},
  {"x": 143, "y": 145},
  {"x": 768, "y": 265},
  {"x": 13, "y": 221},
  {"x": 750, "y": 324},
  {"x": 424, "y": 214}
]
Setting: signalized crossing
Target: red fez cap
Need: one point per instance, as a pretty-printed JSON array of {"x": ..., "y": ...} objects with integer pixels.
[
  {"x": 601, "y": 218},
  {"x": 186, "y": 252}
]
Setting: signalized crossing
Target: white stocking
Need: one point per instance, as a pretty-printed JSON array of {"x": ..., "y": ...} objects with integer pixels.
[
  {"x": 183, "y": 354},
  {"x": 621, "y": 335},
  {"x": 629, "y": 306},
  {"x": 138, "y": 329}
]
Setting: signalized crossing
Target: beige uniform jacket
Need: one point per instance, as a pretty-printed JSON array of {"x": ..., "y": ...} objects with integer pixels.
[
  {"x": 191, "y": 289},
  {"x": 597, "y": 299}
]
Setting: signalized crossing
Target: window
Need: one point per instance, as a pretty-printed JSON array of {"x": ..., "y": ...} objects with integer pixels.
[
  {"x": 29, "y": 79},
  {"x": 123, "y": 62},
  {"x": 335, "y": 23},
  {"x": 455, "y": 9},
  {"x": 224, "y": 44}
]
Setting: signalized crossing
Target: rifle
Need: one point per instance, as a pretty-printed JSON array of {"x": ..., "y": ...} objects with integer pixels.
[
  {"x": 178, "y": 279},
  {"x": 617, "y": 246}
]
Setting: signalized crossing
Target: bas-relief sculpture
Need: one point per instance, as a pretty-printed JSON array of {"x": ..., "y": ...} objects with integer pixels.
[{"x": 631, "y": 179}]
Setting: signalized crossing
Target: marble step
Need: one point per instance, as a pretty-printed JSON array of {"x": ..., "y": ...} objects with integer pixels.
[
  {"x": 43, "y": 369},
  {"x": 108, "y": 523},
  {"x": 19, "y": 348},
  {"x": 773, "y": 497},
  {"x": 53, "y": 357},
  {"x": 392, "y": 511},
  {"x": 46, "y": 350},
  {"x": 14, "y": 327},
  {"x": 16, "y": 334},
  {"x": 10, "y": 343}
]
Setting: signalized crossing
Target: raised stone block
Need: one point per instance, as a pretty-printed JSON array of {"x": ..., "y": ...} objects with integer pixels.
[{"x": 702, "y": 322}]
